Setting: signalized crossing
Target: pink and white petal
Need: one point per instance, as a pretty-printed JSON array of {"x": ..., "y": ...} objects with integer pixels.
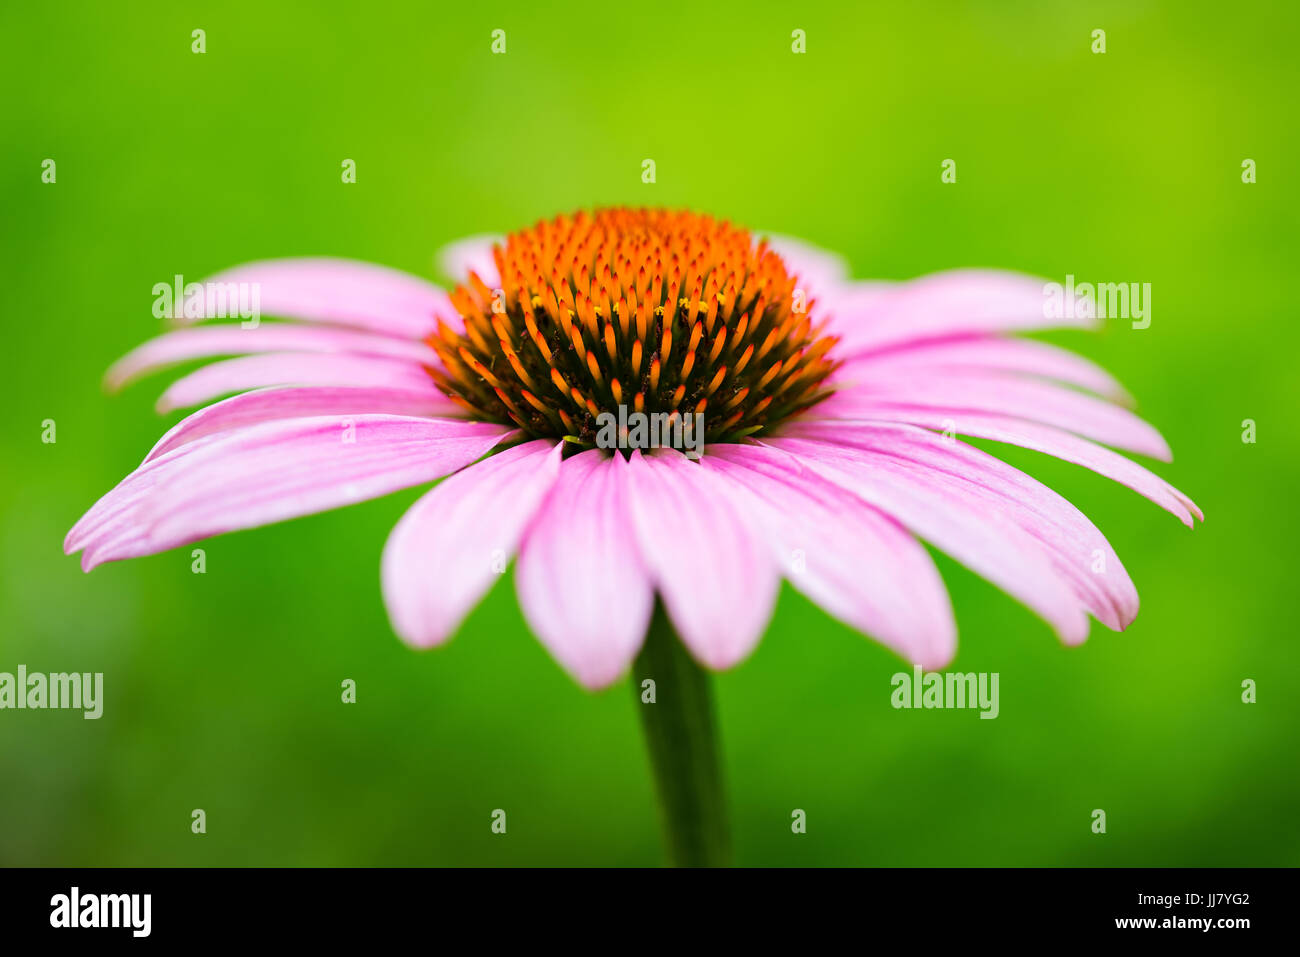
[
  {"x": 988, "y": 354},
  {"x": 1078, "y": 552},
  {"x": 952, "y": 520},
  {"x": 439, "y": 560},
  {"x": 822, "y": 270},
  {"x": 334, "y": 291},
  {"x": 288, "y": 468},
  {"x": 715, "y": 576},
  {"x": 299, "y": 402},
  {"x": 999, "y": 394},
  {"x": 958, "y": 302},
  {"x": 458, "y": 259},
  {"x": 582, "y": 587},
  {"x": 845, "y": 303},
  {"x": 209, "y": 341},
  {"x": 113, "y": 518},
  {"x": 857, "y": 563},
  {"x": 293, "y": 369},
  {"x": 1058, "y": 444}
]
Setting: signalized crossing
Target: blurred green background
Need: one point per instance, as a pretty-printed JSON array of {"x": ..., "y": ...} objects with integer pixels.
[{"x": 222, "y": 690}]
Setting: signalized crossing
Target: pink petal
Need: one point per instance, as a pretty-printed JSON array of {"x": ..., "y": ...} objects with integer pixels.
[
  {"x": 858, "y": 564},
  {"x": 582, "y": 586},
  {"x": 846, "y": 303},
  {"x": 208, "y": 341},
  {"x": 292, "y": 402},
  {"x": 1072, "y": 543},
  {"x": 954, "y": 521},
  {"x": 440, "y": 558},
  {"x": 472, "y": 254},
  {"x": 112, "y": 522},
  {"x": 278, "y": 470},
  {"x": 819, "y": 269},
  {"x": 716, "y": 578},
  {"x": 987, "y": 355},
  {"x": 335, "y": 291},
  {"x": 998, "y": 394},
  {"x": 293, "y": 368},
  {"x": 953, "y": 303},
  {"x": 1059, "y": 444}
]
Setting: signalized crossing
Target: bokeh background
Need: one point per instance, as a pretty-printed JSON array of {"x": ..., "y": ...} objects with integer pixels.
[{"x": 222, "y": 690}]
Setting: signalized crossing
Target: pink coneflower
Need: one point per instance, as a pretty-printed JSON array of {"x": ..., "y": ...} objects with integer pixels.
[{"x": 830, "y": 409}]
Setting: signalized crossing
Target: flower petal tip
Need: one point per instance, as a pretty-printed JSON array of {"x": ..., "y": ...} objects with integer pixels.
[
  {"x": 112, "y": 382},
  {"x": 425, "y": 640},
  {"x": 597, "y": 680},
  {"x": 935, "y": 660},
  {"x": 716, "y": 660},
  {"x": 1074, "y": 633}
]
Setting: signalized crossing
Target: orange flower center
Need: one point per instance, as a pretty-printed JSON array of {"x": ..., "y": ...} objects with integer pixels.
[{"x": 653, "y": 310}]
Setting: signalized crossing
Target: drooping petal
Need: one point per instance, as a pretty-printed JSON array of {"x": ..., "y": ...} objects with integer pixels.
[
  {"x": 1077, "y": 551},
  {"x": 227, "y": 340},
  {"x": 957, "y": 302},
  {"x": 293, "y": 402},
  {"x": 335, "y": 291},
  {"x": 454, "y": 542},
  {"x": 292, "y": 368},
  {"x": 1059, "y": 444},
  {"x": 853, "y": 560},
  {"x": 472, "y": 254},
  {"x": 956, "y": 522},
  {"x": 580, "y": 579},
  {"x": 716, "y": 577},
  {"x": 278, "y": 470},
  {"x": 988, "y": 354},
  {"x": 1000, "y": 394},
  {"x": 113, "y": 519}
]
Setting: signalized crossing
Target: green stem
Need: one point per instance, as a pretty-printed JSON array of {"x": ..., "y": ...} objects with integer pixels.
[{"x": 682, "y": 738}]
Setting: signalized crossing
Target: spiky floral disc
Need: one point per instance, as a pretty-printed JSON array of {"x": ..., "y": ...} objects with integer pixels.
[{"x": 655, "y": 310}]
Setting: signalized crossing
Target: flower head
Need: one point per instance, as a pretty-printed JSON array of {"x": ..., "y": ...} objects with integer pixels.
[
  {"x": 831, "y": 409},
  {"x": 663, "y": 312}
]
